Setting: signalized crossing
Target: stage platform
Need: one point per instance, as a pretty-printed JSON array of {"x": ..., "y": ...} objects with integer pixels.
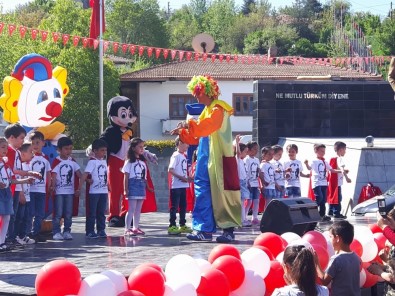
[{"x": 19, "y": 268}]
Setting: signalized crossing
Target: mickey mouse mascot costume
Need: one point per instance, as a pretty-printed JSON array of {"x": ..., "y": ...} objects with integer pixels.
[{"x": 122, "y": 115}]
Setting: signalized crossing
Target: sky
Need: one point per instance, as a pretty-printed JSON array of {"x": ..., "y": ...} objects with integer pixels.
[{"x": 380, "y": 7}]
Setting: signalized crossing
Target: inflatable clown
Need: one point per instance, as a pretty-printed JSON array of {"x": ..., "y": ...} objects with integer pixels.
[{"x": 34, "y": 94}]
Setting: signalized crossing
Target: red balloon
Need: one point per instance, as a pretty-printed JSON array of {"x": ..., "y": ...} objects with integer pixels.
[
  {"x": 154, "y": 266},
  {"x": 131, "y": 293},
  {"x": 58, "y": 277},
  {"x": 232, "y": 268},
  {"x": 221, "y": 250},
  {"x": 271, "y": 241},
  {"x": 371, "y": 279},
  {"x": 322, "y": 254},
  {"x": 213, "y": 283},
  {"x": 356, "y": 247},
  {"x": 267, "y": 251},
  {"x": 315, "y": 238},
  {"x": 380, "y": 240},
  {"x": 375, "y": 228},
  {"x": 275, "y": 277},
  {"x": 285, "y": 243},
  {"x": 147, "y": 280}
]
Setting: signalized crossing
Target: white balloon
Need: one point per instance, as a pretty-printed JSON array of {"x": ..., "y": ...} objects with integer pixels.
[
  {"x": 290, "y": 236},
  {"x": 370, "y": 251},
  {"x": 256, "y": 260},
  {"x": 280, "y": 257},
  {"x": 175, "y": 288},
  {"x": 300, "y": 242},
  {"x": 203, "y": 264},
  {"x": 253, "y": 285},
  {"x": 97, "y": 285},
  {"x": 362, "y": 278},
  {"x": 118, "y": 279},
  {"x": 183, "y": 269},
  {"x": 363, "y": 234},
  {"x": 330, "y": 249}
]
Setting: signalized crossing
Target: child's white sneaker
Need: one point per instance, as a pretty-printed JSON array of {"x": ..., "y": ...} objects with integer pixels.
[
  {"x": 58, "y": 236},
  {"x": 67, "y": 236}
]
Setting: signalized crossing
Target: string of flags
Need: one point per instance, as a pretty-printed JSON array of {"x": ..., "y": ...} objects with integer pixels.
[{"x": 176, "y": 54}]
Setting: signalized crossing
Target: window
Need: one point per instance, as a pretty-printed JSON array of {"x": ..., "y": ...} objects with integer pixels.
[
  {"x": 177, "y": 105},
  {"x": 242, "y": 104}
]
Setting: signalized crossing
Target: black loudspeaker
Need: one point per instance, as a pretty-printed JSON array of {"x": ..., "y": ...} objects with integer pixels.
[{"x": 297, "y": 215}]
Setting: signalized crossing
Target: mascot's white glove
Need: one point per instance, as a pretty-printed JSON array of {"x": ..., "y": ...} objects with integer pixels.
[{"x": 151, "y": 157}]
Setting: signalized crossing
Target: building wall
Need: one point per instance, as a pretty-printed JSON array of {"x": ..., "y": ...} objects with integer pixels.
[{"x": 154, "y": 105}]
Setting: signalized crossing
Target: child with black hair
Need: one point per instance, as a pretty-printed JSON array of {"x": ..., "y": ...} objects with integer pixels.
[
  {"x": 252, "y": 167},
  {"x": 38, "y": 190},
  {"x": 96, "y": 168},
  {"x": 135, "y": 184},
  {"x": 343, "y": 268},
  {"x": 293, "y": 171},
  {"x": 63, "y": 186},
  {"x": 300, "y": 274},
  {"x": 241, "y": 152},
  {"x": 335, "y": 181}
]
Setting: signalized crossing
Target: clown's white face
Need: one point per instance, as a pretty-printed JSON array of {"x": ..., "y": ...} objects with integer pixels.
[{"x": 40, "y": 102}]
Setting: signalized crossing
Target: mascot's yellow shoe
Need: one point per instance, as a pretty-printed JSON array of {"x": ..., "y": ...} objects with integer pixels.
[{"x": 52, "y": 130}]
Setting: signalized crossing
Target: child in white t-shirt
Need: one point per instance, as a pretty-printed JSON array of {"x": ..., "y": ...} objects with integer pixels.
[
  {"x": 63, "y": 182},
  {"x": 293, "y": 171},
  {"x": 241, "y": 152},
  {"x": 252, "y": 167},
  {"x": 267, "y": 175},
  {"x": 98, "y": 190},
  {"x": 279, "y": 171},
  {"x": 319, "y": 168},
  {"x": 178, "y": 169},
  {"x": 135, "y": 185}
]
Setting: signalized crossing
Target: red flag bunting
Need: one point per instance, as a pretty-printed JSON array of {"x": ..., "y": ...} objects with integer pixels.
[
  {"x": 76, "y": 40},
  {"x": 189, "y": 55},
  {"x": 105, "y": 45},
  {"x": 55, "y": 36},
  {"x": 34, "y": 34},
  {"x": 157, "y": 52},
  {"x": 197, "y": 55},
  {"x": 243, "y": 59},
  {"x": 132, "y": 48},
  {"x": 11, "y": 29},
  {"x": 124, "y": 48},
  {"x": 22, "y": 31},
  {"x": 165, "y": 53},
  {"x": 95, "y": 43},
  {"x": 173, "y": 53},
  {"x": 256, "y": 60},
  {"x": 204, "y": 57},
  {"x": 65, "y": 38},
  {"x": 149, "y": 51},
  {"x": 281, "y": 61},
  {"x": 141, "y": 50},
  {"x": 249, "y": 60},
  {"x": 235, "y": 58},
  {"x": 115, "y": 46},
  {"x": 221, "y": 57},
  {"x": 213, "y": 57},
  {"x": 85, "y": 42},
  {"x": 44, "y": 35},
  {"x": 228, "y": 58},
  {"x": 366, "y": 60},
  {"x": 1, "y": 27},
  {"x": 181, "y": 54}
]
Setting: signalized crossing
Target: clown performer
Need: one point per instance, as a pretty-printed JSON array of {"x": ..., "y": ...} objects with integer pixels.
[
  {"x": 217, "y": 194},
  {"x": 122, "y": 115}
]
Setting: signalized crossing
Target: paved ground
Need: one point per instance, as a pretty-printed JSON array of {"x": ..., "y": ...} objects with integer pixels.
[{"x": 19, "y": 268}]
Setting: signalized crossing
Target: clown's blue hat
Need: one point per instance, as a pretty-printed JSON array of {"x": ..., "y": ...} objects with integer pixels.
[
  {"x": 34, "y": 66},
  {"x": 194, "y": 109}
]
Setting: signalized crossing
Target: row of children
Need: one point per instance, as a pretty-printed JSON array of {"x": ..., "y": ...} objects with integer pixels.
[{"x": 276, "y": 179}]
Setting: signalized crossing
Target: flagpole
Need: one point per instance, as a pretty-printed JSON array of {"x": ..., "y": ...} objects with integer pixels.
[{"x": 101, "y": 66}]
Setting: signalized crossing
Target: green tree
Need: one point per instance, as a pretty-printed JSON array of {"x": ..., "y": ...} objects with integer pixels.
[
  {"x": 248, "y": 6},
  {"x": 386, "y": 37},
  {"x": 198, "y": 10},
  {"x": 220, "y": 15},
  {"x": 305, "y": 48},
  {"x": 183, "y": 27}
]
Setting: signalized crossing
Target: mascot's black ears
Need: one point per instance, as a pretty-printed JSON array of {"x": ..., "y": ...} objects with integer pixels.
[{"x": 117, "y": 102}]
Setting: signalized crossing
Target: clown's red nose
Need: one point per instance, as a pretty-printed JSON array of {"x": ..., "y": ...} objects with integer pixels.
[{"x": 53, "y": 109}]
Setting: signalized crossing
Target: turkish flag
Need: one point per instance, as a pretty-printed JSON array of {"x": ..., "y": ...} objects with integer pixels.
[{"x": 95, "y": 18}]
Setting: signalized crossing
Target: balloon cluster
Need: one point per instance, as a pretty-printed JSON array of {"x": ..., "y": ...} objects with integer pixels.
[{"x": 225, "y": 273}]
